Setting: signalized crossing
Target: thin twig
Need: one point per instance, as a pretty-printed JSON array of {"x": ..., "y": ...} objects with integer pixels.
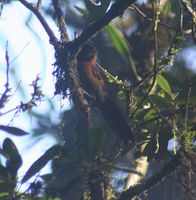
[
  {"x": 4, "y": 97},
  {"x": 145, "y": 96},
  {"x": 8, "y": 67},
  {"x": 1, "y": 7},
  {"x": 187, "y": 105},
  {"x": 19, "y": 53},
  {"x": 52, "y": 37},
  {"x": 61, "y": 21},
  {"x": 155, "y": 63},
  {"x": 193, "y": 31},
  {"x": 190, "y": 9},
  {"x": 39, "y": 5},
  {"x": 11, "y": 110},
  {"x": 155, "y": 60},
  {"x": 161, "y": 116},
  {"x": 181, "y": 16},
  {"x": 150, "y": 19},
  {"x": 110, "y": 76},
  {"x": 126, "y": 170}
]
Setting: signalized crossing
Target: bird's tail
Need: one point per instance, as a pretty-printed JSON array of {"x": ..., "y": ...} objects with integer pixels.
[{"x": 115, "y": 119}]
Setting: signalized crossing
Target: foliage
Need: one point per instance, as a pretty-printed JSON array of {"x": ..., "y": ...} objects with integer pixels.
[{"x": 144, "y": 46}]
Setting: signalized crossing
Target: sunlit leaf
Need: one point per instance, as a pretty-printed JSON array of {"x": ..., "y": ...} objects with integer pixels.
[
  {"x": 167, "y": 7},
  {"x": 4, "y": 194},
  {"x": 163, "y": 83},
  {"x": 121, "y": 46},
  {"x": 118, "y": 40},
  {"x": 13, "y": 130},
  {"x": 150, "y": 114},
  {"x": 121, "y": 94},
  {"x": 41, "y": 162}
]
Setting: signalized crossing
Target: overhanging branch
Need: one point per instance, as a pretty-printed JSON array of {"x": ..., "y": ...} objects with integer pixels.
[
  {"x": 53, "y": 39},
  {"x": 141, "y": 187},
  {"x": 116, "y": 9},
  {"x": 61, "y": 21}
]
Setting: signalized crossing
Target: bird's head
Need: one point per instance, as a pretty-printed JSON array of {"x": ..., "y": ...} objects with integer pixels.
[{"x": 88, "y": 53}]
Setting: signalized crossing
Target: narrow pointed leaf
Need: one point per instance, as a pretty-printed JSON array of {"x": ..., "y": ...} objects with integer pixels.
[
  {"x": 163, "y": 83},
  {"x": 41, "y": 162},
  {"x": 13, "y": 130},
  {"x": 167, "y": 7},
  {"x": 121, "y": 46},
  {"x": 118, "y": 40}
]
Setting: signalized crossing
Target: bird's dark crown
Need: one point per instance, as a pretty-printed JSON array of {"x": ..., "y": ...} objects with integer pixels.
[{"x": 87, "y": 52}]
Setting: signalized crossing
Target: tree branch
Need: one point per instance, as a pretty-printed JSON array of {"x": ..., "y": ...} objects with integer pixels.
[
  {"x": 39, "y": 4},
  {"x": 61, "y": 21},
  {"x": 53, "y": 39},
  {"x": 161, "y": 175},
  {"x": 116, "y": 9},
  {"x": 152, "y": 20}
]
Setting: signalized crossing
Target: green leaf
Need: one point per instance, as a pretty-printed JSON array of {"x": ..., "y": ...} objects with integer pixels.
[
  {"x": 163, "y": 83},
  {"x": 167, "y": 7},
  {"x": 150, "y": 114},
  {"x": 3, "y": 194},
  {"x": 162, "y": 104},
  {"x": 41, "y": 162},
  {"x": 173, "y": 82},
  {"x": 141, "y": 113},
  {"x": 13, "y": 130},
  {"x": 121, "y": 94},
  {"x": 118, "y": 40},
  {"x": 121, "y": 46}
]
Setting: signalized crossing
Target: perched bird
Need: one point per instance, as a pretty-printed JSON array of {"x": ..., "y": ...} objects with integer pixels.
[{"x": 94, "y": 84}]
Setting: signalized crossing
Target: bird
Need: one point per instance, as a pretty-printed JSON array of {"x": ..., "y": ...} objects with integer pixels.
[{"x": 93, "y": 83}]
